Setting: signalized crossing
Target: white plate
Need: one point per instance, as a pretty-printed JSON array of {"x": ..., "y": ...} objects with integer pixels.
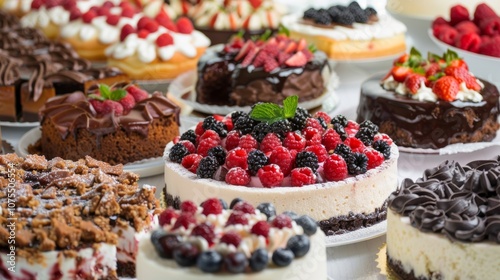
[
  {"x": 182, "y": 89},
  {"x": 19, "y": 124},
  {"x": 459, "y": 148},
  {"x": 143, "y": 168},
  {"x": 356, "y": 236}
]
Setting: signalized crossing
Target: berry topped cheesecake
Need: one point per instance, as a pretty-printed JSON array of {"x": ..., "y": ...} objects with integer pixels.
[
  {"x": 431, "y": 102},
  {"x": 242, "y": 242},
  {"x": 337, "y": 171}
]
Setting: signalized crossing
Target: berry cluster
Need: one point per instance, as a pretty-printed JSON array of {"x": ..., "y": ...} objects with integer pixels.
[
  {"x": 443, "y": 74},
  {"x": 180, "y": 227},
  {"x": 120, "y": 101},
  {"x": 342, "y": 15},
  {"x": 479, "y": 33},
  {"x": 301, "y": 150}
]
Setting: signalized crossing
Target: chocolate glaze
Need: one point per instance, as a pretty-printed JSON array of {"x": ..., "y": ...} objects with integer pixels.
[
  {"x": 222, "y": 81},
  {"x": 9, "y": 70},
  {"x": 423, "y": 124},
  {"x": 462, "y": 203}
]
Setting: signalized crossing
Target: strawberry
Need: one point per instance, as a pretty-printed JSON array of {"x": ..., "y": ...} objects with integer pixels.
[
  {"x": 270, "y": 64},
  {"x": 463, "y": 75},
  {"x": 213, "y": 20},
  {"x": 138, "y": 93},
  {"x": 233, "y": 21},
  {"x": 249, "y": 45},
  {"x": 470, "y": 42},
  {"x": 142, "y": 22},
  {"x": 271, "y": 50},
  {"x": 458, "y": 63},
  {"x": 399, "y": 73},
  {"x": 255, "y": 3},
  {"x": 151, "y": 26},
  {"x": 260, "y": 59},
  {"x": 51, "y": 3},
  {"x": 309, "y": 55},
  {"x": 250, "y": 57},
  {"x": 291, "y": 47},
  {"x": 36, "y": 4},
  {"x": 282, "y": 57},
  {"x": 184, "y": 25},
  {"x": 402, "y": 59},
  {"x": 170, "y": 25},
  {"x": 128, "y": 12},
  {"x": 127, "y": 29},
  {"x": 103, "y": 11},
  {"x": 69, "y": 4},
  {"x": 74, "y": 14},
  {"x": 467, "y": 27},
  {"x": 458, "y": 13},
  {"x": 164, "y": 40},
  {"x": 143, "y": 33},
  {"x": 413, "y": 82},
  {"x": 109, "y": 106},
  {"x": 302, "y": 44},
  {"x": 108, "y": 4},
  {"x": 113, "y": 20},
  {"x": 296, "y": 60},
  {"x": 89, "y": 16},
  {"x": 446, "y": 88},
  {"x": 483, "y": 11},
  {"x": 128, "y": 102},
  {"x": 432, "y": 69}
]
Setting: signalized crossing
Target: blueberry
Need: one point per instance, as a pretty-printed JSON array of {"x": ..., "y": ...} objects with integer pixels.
[
  {"x": 267, "y": 209},
  {"x": 223, "y": 203},
  {"x": 282, "y": 257},
  {"x": 234, "y": 202},
  {"x": 308, "y": 224},
  {"x": 299, "y": 245},
  {"x": 259, "y": 260},
  {"x": 291, "y": 214},
  {"x": 236, "y": 262},
  {"x": 165, "y": 243},
  {"x": 186, "y": 254},
  {"x": 209, "y": 261}
]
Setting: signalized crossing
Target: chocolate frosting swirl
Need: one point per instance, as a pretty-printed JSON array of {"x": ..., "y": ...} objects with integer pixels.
[
  {"x": 9, "y": 69},
  {"x": 463, "y": 203}
]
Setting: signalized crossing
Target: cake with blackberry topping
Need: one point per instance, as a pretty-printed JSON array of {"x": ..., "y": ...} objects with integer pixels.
[
  {"x": 242, "y": 242},
  {"x": 267, "y": 69},
  {"x": 72, "y": 219},
  {"x": 445, "y": 224},
  {"x": 337, "y": 171},
  {"x": 431, "y": 102},
  {"x": 349, "y": 32}
]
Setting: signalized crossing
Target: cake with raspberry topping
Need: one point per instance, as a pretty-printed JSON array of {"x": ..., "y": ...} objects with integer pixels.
[
  {"x": 337, "y": 171},
  {"x": 349, "y": 32},
  {"x": 445, "y": 224},
  {"x": 267, "y": 69},
  {"x": 72, "y": 219},
  {"x": 241, "y": 242},
  {"x": 431, "y": 102},
  {"x": 119, "y": 124},
  {"x": 430, "y": 9}
]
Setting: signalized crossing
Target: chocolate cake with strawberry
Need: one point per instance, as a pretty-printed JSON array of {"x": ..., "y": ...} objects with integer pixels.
[
  {"x": 267, "y": 69},
  {"x": 118, "y": 124},
  {"x": 431, "y": 102}
]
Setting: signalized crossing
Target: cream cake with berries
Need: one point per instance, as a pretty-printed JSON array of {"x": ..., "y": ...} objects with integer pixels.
[
  {"x": 72, "y": 219},
  {"x": 268, "y": 69},
  {"x": 336, "y": 171},
  {"x": 431, "y": 103},
  {"x": 349, "y": 32},
  {"x": 213, "y": 242},
  {"x": 430, "y": 9},
  {"x": 445, "y": 224},
  {"x": 120, "y": 124}
]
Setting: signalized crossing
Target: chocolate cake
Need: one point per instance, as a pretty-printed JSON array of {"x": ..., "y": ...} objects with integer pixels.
[{"x": 9, "y": 79}]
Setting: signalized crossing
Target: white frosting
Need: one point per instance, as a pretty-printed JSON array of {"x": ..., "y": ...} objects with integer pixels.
[
  {"x": 17, "y": 5},
  {"x": 429, "y": 252},
  {"x": 385, "y": 27}
]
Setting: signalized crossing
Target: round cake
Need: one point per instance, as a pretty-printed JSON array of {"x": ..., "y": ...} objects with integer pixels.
[
  {"x": 213, "y": 242},
  {"x": 430, "y": 105},
  {"x": 431, "y": 9},
  {"x": 297, "y": 164},
  {"x": 445, "y": 225}
]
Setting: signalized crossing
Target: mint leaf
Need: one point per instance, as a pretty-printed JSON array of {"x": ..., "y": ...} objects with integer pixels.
[
  {"x": 265, "y": 35},
  {"x": 105, "y": 91},
  {"x": 97, "y": 97},
  {"x": 312, "y": 48},
  {"x": 267, "y": 112},
  {"x": 283, "y": 30},
  {"x": 117, "y": 94},
  {"x": 290, "y": 106}
]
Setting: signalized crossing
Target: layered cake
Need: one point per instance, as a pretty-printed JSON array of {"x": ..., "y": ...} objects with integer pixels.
[
  {"x": 430, "y": 103},
  {"x": 214, "y": 242},
  {"x": 71, "y": 219},
  {"x": 337, "y": 171},
  {"x": 268, "y": 69},
  {"x": 9, "y": 76},
  {"x": 445, "y": 224},
  {"x": 349, "y": 32},
  {"x": 118, "y": 124},
  {"x": 431, "y": 9}
]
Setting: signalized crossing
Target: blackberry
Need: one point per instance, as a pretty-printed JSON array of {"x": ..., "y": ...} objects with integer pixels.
[
  {"x": 343, "y": 150},
  {"x": 213, "y": 124},
  {"x": 383, "y": 148},
  {"x": 334, "y": 12},
  {"x": 218, "y": 153},
  {"x": 207, "y": 167},
  {"x": 245, "y": 124},
  {"x": 178, "y": 152},
  {"x": 357, "y": 164},
  {"x": 345, "y": 18},
  {"x": 298, "y": 121},
  {"x": 323, "y": 17},
  {"x": 370, "y": 12},
  {"x": 256, "y": 159},
  {"x": 354, "y": 5},
  {"x": 208, "y": 122},
  {"x": 190, "y": 136},
  {"x": 322, "y": 123},
  {"x": 260, "y": 131},
  {"x": 341, "y": 8},
  {"x": 310, "y": 13},
  {"x": 236, "y": 115},
  {"x": 360, "y": 16},
  {"x": 365, "y": 135},
  {"x": 340, "y": 131},
  {"x": 340, "y": 119},
  {"x": 281, "y": 127},
  {"x": 369, "y": 125},
  {"x": 307, "y": 159}
]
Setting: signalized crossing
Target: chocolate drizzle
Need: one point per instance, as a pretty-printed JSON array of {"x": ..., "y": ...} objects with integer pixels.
[
  {"x": 462, "y": 203},
  {"x": 9, "y": 70}
]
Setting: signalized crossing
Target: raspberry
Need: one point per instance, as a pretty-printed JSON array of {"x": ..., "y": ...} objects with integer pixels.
[
  {"x": 138, "y": 93},
  {"x": 232, "y": 140},
  {"x": 294, "y": 141},
  {"x": 152, "y": 26},
  {"x": 282, "y": 221},
  {"x": 237, "y": 218},
  {"x": 37, "y": 4},
  {"x": 165, "y": 217},
  {"x": 491, "y": 48},
  {"x": 302, "y": 176},
  {"x": 74, "y": 14},
  {"x": 467, "y": 27},
  {"x": 184, "y": 220},
  {"x": 330, "y": 139},
  {"x": 232, "y": 238},
  {"x": 357, "y": 164},
  {"x": 312, "y": 135},
  {"x": 315, "y": 123},
  {"x": 248, "y": 143},
  {"x": 184, "y": 25},
  {"x": 319, "y": 150},
  {"x": 375, "y": 158},
  {"x": 244, "y": 207},
  {"x": 191, "y": 162},
  {"x": 351, "y": 128},
  {"x": 260, "y": 131},
  {"x": 439, "y": 21},
  {"x": 270, "y": 175},
  {"x": 383, "y": 147},
  {"x": 228, "y": 122},
  {"x": 490, "y": 27},
  {"x": 127, "y": 29},
  {"x": 97, "y": 104},
  {"x": 335, "y": 168},
  {"x": 143, "y": 34},
  {"x": 189, "y": 207},
  {"x": 206, "y": 145},
  {"x": 355, "y": 144},
  {"x": 113, "y": 19},
  {"x": 109, "y": 106},
  {"x": 178, "y": 152},
  {"x": 103, "y": 11},
  {"x": 207, "y": 168},
  {"x": 458, "y": 13},
  {"x": 324, "y": 116},
  {"x": 256, "y": 159},
  {"x": 164, "y": 39},
  {"x": 218, "y": 153},
  {"x": 212, "y": 206},
  {"x": 261, "y": 228},
  {"x": 307, "y": 159},
  {"x": 189, "y": 146},
  {"x": 199, "y": 130},
  {"x": 238, "y": 176},
  {"x": 189, "y": 135},
  {"x": 210, "y": 134},
  {"x": 206, "y": 231},
  {"x": 445, "y": 33},
  {"x": 88, "y": 16},
  {"x": 270, "y": 142},
  {"x": 237, "y": 157},
  {"x": 281, "y": 156},
  {"x": 482, "y": 12}
]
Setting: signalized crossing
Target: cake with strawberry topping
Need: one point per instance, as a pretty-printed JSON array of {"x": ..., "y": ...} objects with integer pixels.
[
  {"x": 236, "y": 242},
  {"x": 267, "y": 69},
  {"x": 431, "y": 102},
  {"x": 118, "y": 124},
  {"x": 337, "y": 171},
  {"x": 349, "y": 32}
]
